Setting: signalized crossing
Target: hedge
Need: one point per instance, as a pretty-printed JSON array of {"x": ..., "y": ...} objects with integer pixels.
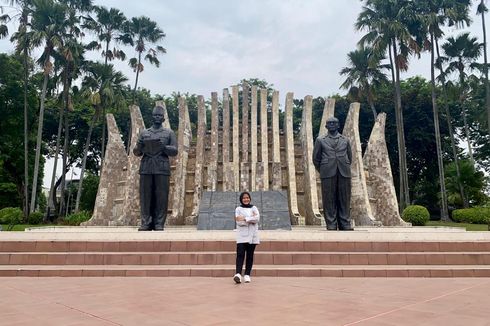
[
  {"x": 475, "y": 215},
  {"x": 416, "y": 214}
]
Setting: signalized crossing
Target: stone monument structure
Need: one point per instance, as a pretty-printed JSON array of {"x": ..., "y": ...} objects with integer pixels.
[{"x": 244, "y": 149}]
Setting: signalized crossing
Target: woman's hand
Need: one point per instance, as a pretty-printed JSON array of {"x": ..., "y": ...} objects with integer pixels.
[{"x": 240, "y": 218}]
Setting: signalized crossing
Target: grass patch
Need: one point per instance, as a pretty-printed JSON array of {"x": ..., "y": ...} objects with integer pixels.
[
  {"x": 468, "y": 226},
  {"x": 22, "y": 227}
]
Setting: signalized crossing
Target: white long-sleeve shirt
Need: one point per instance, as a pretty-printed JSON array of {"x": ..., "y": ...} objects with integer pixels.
[{"x": 248, "y": 230}]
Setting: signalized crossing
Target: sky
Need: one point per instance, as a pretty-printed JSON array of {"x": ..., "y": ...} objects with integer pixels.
[{"x": 297, "y": 45}]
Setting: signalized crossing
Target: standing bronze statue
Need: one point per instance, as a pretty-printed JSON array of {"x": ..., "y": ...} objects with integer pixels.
[
  {"x": 155, "y": 144},
  {"x": 332, "y": 157}
]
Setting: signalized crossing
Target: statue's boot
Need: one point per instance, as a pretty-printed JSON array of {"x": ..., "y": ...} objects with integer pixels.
[{"x": 145, "y": 223}]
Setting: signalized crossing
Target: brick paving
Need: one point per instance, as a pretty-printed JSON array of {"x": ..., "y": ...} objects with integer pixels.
[{"x": 265, "y": 301}]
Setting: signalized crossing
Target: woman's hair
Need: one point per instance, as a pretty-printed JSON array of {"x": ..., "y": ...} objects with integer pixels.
[{"x": 241, "y": 199}]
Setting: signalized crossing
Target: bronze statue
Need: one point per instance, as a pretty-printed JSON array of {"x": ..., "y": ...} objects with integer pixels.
[
  {"x": 155, "y": 144},
  {"x": 332, "y": 157}
]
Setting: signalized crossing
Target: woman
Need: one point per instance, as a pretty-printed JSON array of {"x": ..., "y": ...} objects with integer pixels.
[{"x": 247, "y": 236}]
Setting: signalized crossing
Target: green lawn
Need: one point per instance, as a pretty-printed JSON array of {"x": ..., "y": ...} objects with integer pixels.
[
  {"x": 469, "y": 227},
  {"x": 22, "y": 227}
]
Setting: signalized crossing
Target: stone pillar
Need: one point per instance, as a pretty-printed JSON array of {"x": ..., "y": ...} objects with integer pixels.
[
  {"x": 360, "y": 209},
  {"x": 227, "y": 166},
  {"x": 253, "y": 140},
  {"x": 213, "y": 160},
  {"x": 296, "y": 218},
  {"x": 236, "y": 139},
  {"x": 263, "y": 166},
  {"x": 311, "y": 192},
  {"x": 201, "y": 135},
  {"x": 276, "y": 145},
  {"x": 328, "y": 111},
  {"x": 110, "y": 195},
  {"x": 245, "y": 165},
  {"x": 379, "y": 179},
  {"x": 132, "y": 211},
  {"x": 184, "y": 141}
]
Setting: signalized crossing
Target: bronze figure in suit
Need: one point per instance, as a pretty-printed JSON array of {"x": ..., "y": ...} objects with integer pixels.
[
  {"x": 332, "y": 157},
  {"x": 155, "y": 144}
]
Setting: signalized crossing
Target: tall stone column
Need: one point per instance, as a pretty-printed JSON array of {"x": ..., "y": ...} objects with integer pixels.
[
  {"x": 253, "y": 140},
  {"x": 311, "y": 192},
  {"x": 276, "y": 145},
  {"x": 213, "y": 161},
  {"x": 296, "y": 218},
  {"x": 110, "y": 195},
  {"x": 263, "y": 166},
  {"x": 132, "y": 211},
  {"x": 245, "y": 164},
  {"x": 198, "y": 173},
  {"x": 328, "y": 111},
  {"x": 236, "y": 139},
  {"x": 360, "y": 208},
  {"x": 227, "y": 166},
  {"x": 184, "y": 141},
  {"x": 379, "y": 179}
]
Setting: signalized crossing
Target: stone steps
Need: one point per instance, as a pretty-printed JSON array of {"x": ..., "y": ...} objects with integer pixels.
[
  {"x": 261, "y": 258},
  {"x": 228, "y": 271},
  {"x": 273, "y": 258}
]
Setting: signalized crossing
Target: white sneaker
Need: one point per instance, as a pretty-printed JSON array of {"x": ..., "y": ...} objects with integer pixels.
[
  {"x": 247, "y": 278},
  {"x": 237, "y": 278}
]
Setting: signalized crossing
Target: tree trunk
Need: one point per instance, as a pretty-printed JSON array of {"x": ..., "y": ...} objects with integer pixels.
[
  {"x": 371, "y": 102},
  {"x": 402, "y": 156},
  {"x": 487, "y": 86},
  {"x": 65, "y": 148},
  {"x": 38, "y": 143},
  {"x": 84, "y": 161},
  {"x": 26, "y": 139},
  {"x": 440, "y": 163},
  {"x": 451, "y": 133}
]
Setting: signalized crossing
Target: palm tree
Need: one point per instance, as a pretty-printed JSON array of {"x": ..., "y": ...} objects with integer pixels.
[
  {"x": 482, "y": 9},
  {"x": 386, "y": 22},
  {"x": 110, "y": 25},
  {"x": 433, "y": 15},
  {"x": 364, "y": 74},
  {"x": 145, "y": 32},
  {"x": 23, "y": 47},
  {"x": 48, "y": 23},
  {"x": 105, "y": 88},
  {"x": 461, "y": 53}
]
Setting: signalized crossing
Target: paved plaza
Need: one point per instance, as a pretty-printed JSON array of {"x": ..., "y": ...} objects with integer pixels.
[{"x": 265, "y": 301}]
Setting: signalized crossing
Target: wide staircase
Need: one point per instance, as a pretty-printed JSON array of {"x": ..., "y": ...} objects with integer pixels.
[{"x": 214, "y": 258}]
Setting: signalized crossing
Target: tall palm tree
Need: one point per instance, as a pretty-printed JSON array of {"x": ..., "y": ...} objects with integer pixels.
[
  {"x": 144, "y": 33},
  {"x": 432, "y": 16},
  {"x": 48, "y": 23},
  {"x": 364, "y": 74},
  {"x": 109, "y": 25},
  {"x": 482, "y": 9},
  {"x": 105, "y": 87},
  {"x": 23, "y": 47},
  {"x": 387, "y": 24},
  {"x": 461, "y": 53}
]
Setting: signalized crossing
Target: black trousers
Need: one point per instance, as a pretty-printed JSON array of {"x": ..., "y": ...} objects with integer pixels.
[
  {"x": 241, "y": 250},
  {"x": 154, "y": 190},
  {"x": 336, "y": 193}
]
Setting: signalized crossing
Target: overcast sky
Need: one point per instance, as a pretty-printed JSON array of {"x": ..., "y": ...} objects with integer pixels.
[{"x": 298, "y": 45}]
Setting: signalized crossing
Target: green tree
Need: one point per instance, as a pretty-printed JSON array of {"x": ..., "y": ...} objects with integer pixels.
[
  {"x": 144, "y": 32},
  {"x": 105, "y": 88},
  {"x": 474, "y": 182},
  {"x": 387, "y": 23},
  {"x": 482, "y": 9},
  {"x": 364, "y": 74}
]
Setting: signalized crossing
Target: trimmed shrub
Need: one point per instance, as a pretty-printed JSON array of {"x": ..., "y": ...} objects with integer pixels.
[
  {"x": 36, "y": 218},
  {"x": 11, "y": 215},
  {"x": 76, "y": 218},
  {"x": 416, "y": 214},
  {"x": 475, "y": 215}
]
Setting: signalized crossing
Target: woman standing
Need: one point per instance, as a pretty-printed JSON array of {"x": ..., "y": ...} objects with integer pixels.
[{"x": 247, "y": 236}]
